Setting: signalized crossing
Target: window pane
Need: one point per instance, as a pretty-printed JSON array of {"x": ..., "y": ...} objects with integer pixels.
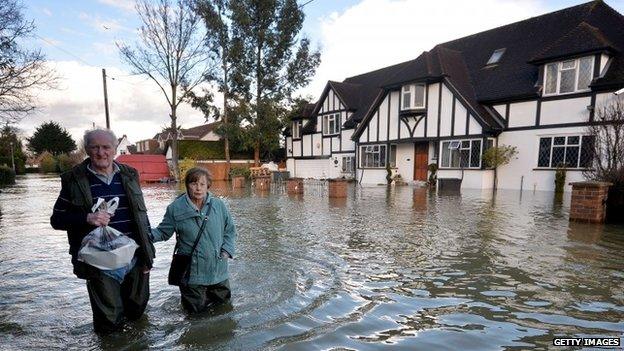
[
  {"x": 567, "y": 81},
  {"x": 475, "y": 154},
  {"x": 543, "y": 159},
  {"x": 407, "y": 97},
  {"x": 559, "y": 140},
  {"x": 392, "y": 156},
  {"x": 445, "y": 154},
  {"x": 571, "y": 156},
  {"x": 585, "y": 72},
  {"x": 382, "y": 156},
  {"x": 568, "y": 64},
  {"x": 454, "y": 158},
  {"x": 464, "y": 157},
  {"x": 465, "y": 144},
  {"x": 551, "y": 78},
  {"x": 419, "y": 96},
  {"x": 558, "y": 153},
  {"x": 587, "y": 151},
  {"x": 573, "y": 140},
  {"x": 325, "y": 119}
]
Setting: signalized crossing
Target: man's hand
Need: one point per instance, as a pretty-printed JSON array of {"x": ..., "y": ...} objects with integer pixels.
[
  {"x": 99, "y": 218},
  {"x": 225, "y": 255}
]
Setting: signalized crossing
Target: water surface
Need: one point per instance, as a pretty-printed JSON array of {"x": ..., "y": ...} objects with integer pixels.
[{"x": 396, "y": 269}]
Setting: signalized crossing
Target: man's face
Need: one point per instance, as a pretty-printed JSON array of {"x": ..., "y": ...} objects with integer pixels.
[{"x": 101, "y": 151}]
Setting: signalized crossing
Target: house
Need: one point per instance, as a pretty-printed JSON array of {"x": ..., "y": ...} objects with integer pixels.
[
  {"x": 147, "y": 146},
  {"x": 204, "y": 132},
  {"x": 533, "y": 84},
  {"x": 123, "y": 145}
]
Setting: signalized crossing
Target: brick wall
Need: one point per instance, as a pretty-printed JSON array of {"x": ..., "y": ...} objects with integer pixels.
[{"x": 589, "y": 201}]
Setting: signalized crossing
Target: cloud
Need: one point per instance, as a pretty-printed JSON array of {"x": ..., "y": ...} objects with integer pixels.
[
  {"x": 137, "y": 107},
  {"x": 379, "y": 33},
  {"x": 46, "y": 12},
  {"x": 102, "y": 25},
  {"x": 126, "y": 5}
]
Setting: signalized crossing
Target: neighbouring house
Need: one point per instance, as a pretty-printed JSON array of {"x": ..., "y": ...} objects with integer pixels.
[
  {"x": 123, "y": 145},
  {"x": 147, "y": 146},
  {"x": 533, "y": 84}
]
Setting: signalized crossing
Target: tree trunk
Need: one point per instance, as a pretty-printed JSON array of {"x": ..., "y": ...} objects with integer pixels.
[
  {"x": 226, "y": 139},
  {"x": 257, "y": 154},
  {"x": 174, "y": 144}
]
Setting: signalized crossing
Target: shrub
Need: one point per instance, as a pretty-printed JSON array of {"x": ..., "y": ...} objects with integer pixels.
[
  {"x": 66, "y": 162},
  {"x": 433, "y": 170},
  {"x": 47, "y": 163},
  {"x": 560, "y": 177},
  {"x": 7, "y": 176},
  {"x": 184, "y": 165},
  {"x": 240, "y": 171}
]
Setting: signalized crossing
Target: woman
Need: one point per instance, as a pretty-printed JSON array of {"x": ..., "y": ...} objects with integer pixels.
[{"x": 208, "y": 282}]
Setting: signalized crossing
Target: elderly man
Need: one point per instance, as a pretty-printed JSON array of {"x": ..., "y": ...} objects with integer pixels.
[{"x": 99, "y": 176}]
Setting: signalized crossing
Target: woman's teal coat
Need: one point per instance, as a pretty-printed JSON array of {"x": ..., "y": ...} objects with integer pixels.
[{"x": 181, "y": 217}]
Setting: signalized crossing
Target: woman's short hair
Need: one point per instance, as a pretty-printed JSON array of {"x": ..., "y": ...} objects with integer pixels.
[
  {"x": 193, "y": 175},
  {"x": 89, "y": 134}
]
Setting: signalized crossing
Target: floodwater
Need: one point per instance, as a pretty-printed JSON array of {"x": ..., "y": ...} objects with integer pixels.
[{"x": 386, "y": 269}]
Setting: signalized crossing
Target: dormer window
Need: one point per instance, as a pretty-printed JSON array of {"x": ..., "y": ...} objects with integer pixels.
[
  {"x": 296, "y": 129},
  {"x": 496, "y": 56},
  {"x": 331, "y": 124},
  {"x": 568, "y": 76},
  {"x": 413, "y": 96}
]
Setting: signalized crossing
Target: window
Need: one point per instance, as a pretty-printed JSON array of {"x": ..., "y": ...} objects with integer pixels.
[
  {"x": 392, "y": 156},
  {"x": 348, "y": 164},
  {"x": 496, "y": 56},
  {"x": 373, "y": 156},
  {"x": 296, "y": 130},
  {"x": 572, "y": 151},
  {"x": 331, "y": 124},
  {"x": 568, "y": 76},
  {"x": 461, "y": 153},
  {"x": 413, "y": 96}
]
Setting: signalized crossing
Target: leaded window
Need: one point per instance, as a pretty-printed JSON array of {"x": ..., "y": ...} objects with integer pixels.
[
  {"x": 461, "y": 153},
  {"x": 568, "y": 76},
  {"x": 572, "y": 151},
  {"x": 373, "y": 156},
  {"x": 413, "y": 96},
  {"x": 348, "y": 164}
]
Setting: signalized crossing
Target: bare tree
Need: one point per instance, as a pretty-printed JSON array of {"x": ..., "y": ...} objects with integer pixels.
[
  {"x": 170, "y": 52},
  {"x": 607, "y": 151},
  {"x": 21, "y": 70}
]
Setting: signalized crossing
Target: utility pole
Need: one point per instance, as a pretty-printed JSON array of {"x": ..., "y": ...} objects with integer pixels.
[{"x": 105, "y": 98}]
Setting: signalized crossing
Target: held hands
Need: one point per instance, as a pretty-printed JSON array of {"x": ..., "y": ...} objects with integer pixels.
[{"x": 99, "y": 218}]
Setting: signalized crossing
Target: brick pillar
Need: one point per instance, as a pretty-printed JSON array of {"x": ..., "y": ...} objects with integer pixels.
[
  {"x": 589, "y": 201},
  {"x": 294, "y": 186},
  {"x": 238, "y": 182},
  {"x": 338, "y": 187},
  {"x": 263, "y": 183}
]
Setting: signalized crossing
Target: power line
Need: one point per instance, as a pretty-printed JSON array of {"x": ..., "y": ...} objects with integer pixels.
[
  {"x": 63, "y": 50},
  {"x": 307, "y": 2}
]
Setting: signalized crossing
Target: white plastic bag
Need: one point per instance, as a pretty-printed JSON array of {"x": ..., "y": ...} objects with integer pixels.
[{"x": 105, "y": 247}]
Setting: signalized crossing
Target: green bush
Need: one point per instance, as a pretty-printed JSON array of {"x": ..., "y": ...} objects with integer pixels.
[
  {"x": 184, "y": 165},
  {"x": 48, "y": 163},
  {"x": 66, "y": 162},
  {"x": 19, "y": 163},
  {"x": 7, "y": 176},
  {"x": 560, "y": 177},
  {"x": 240, "y": 171},
  {"x": 208, "y": 150}
]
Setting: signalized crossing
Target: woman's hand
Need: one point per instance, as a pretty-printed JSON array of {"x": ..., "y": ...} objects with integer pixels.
[
  {"x": 99, "y": 218},
  {"x": 225, "y": 255}
]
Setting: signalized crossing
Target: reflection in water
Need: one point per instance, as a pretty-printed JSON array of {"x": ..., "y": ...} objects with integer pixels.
[{"x": 385, "y": 268}]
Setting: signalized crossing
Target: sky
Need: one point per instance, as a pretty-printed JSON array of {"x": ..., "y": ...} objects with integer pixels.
[{"x": 354, "y": 37}]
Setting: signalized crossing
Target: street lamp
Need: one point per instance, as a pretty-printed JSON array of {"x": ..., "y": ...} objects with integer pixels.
[{"x": 12, "y": 158}]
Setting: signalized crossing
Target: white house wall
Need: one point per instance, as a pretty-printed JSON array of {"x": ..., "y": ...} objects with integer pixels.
[
  {"x": 474, "y": 127},
  {"x": 297, "y": 147},
  {"x": 314, "y": 168},
  {"x": 316, "y": 145},
  {"x": 446, "y": 107},
  {"x": 289, "y": 147},
  {"x": 372, "y": 176},
  {"x": 472, "y": 179},
  {"x": 307, "y": 145},
  {"x": 565, "y": 111},
  {"x": 432, "y": 110},
  {"x": 211, "y": 136},
  {"x": 347, "y": 143},
  {"x": 460, "y": 119},
  {"x": 522, "y": 114},
  {"x": 394, "y": 116},
  {"x": 522, "y": 170}
]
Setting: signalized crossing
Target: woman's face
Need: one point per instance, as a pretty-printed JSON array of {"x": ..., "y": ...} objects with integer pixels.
[{"x": 197, "y": 190}]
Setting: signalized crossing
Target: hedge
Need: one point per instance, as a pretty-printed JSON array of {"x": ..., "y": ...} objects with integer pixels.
[
  {"x": 208, "y": 150},
  {"x": 7, "y": 176}
]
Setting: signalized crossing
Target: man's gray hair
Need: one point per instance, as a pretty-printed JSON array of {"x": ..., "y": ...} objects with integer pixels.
[{"x": 89, "y": 134}]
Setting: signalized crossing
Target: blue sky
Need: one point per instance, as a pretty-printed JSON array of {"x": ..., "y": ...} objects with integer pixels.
[{"x": 354, "y": 37}]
